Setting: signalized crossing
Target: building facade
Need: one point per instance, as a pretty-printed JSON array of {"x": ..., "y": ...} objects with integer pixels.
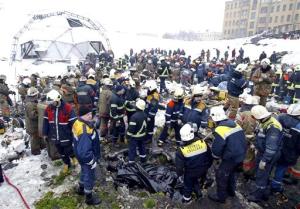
[{"x": 249, "y": 17}]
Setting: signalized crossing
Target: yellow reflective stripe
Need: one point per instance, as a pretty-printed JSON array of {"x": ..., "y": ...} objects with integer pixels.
[
  {"x": 297, "y": 86},
  {"x": 142, "y": 131},
  {"x": 77, "y": 128},
  {"x": 132, "y": 123},
  {"x": 225, "y": 131},
  {"x": 113, "y": 105},
  {"x": 194, "y": 149},
  {"x": 270, "y": 122}
]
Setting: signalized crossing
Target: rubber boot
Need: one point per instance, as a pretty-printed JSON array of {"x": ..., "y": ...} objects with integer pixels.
[
  {"x": 80, "y": 189},
  {"x": 91, "y": 199},
  {"x": 1, "y": 175},
  {"x": 257, "y": 196},
  {"x": 74, "y": 161},
  {"x": 214, "y": 197},
  {"x": 65, "y": 169}
]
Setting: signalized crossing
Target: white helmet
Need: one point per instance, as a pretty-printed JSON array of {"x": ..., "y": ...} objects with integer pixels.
[
  {"x": 198, "y": 90},
  {"x": 3, "y": 77},
  {"x": 107, "y": 82},
  {"x": 32, "y": 91},
  {"x": 162, "y": 58},
  {"x": 26, "y": 81},
  {"x": 91, "y": 71},
  {"x": 241, "y": 67},
  {"x": 72, "y": 74},
  {"x": 260, "y": 112},
  {"x": 294, "y": 109},
  {"x": 149, "y": 61},
  {"x": 265, "y": 61},
  {"x": 91, "y": 76},
  {"x": 112, "y": 74},
  {"x": 151, "y": 85},
  {"x": 132, "y": 83},
  {"x": 82, "y": 78},
  {"x": 54, "y": 96},
  {"x": 217, "y": 113},
  {"x": 251, "y": 100},
  {"x": 187, "y": 133},
  {"x": 297, "y": 68},
  {"x": 178, "y": 94},
  {"x": 140, "y": 104},
  {"x": 290, "y": 70}
]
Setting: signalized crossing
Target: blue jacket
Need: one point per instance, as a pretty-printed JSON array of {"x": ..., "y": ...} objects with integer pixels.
[
  {"x": 192, "y": 158},
  {"x": 269, "y": 140},
  {"x": 291, "y": 143},
  {"x": 236, "y": 84},
  {"x": 86, "y": 142},
  {"x": 152, "y": 105},
  {"x": 174, "y": 111},
  {"x": 130, "y": 96},
  {"x": 137, "y": 127},
  {"x": 85, "y": 94},
  {"x": 196, "y": 113},
  {"x": 117, "y": 107},
  {"x": 230, "y": 142},
  {"x": 57, "y": 124}
]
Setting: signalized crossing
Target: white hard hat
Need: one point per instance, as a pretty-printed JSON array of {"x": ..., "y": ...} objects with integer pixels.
[
  {"x": 187, "y": 133},
  {"x": 217, "y": 113},
  {"x": 132, "y": 83},
  {"x": 32, "y": 91},
  {"x": 265, "y": 61},
  {"x": 198, "y": 90},
  {"x": 260, "y": 112},
  {"x": 82, "y": 78},
  {"x": 54, "y": 96},
  {"x": 92, "y": 76},
  {"x": 162, "y": 58},
  {"x": 151, "y": 85},
  {"x": 178, "y": 94},
  {"x": 149, "y": 61},
  {"x": 112, "y": 74},
  {"x": 140, "y": 104},
  {"x": 91, "y": 71},
  {"x": 289, "y": 70},
  {"x": 294, "y": 109},
  {"x": 3, "y": 77},
  {"x": 107, "y": 82},
  {"x": 251, "y": 100},
  {"x": 26, "y": 81},
  {"x": 297, "y": 68},
  {"x": 72, "y": 74},
  {"x": 241, "y": 67}
]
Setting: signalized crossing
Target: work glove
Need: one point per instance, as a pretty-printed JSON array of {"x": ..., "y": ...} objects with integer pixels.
[
  {"x": 118, "y": 123},
  {"x": 179, "y": 122},
  {"x": 180, "y": 179},
  {"x": 94, "y": 165},
  {"x": 148, "y": 119},
  {"x": 195, "y": 127},
  {"x": 262, "y": 165}
]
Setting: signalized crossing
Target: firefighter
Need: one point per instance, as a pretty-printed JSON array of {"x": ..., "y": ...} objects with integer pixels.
[
  {"x": 268, "y": 144},
  {"x": 87, "y": 150},
  {"x": 230, "y": 147},
  {"x": 290, "y": 86},
  {"x": 295, "y": 79},
  {"x": 174, "y": 111},
  {"x": 5, "y": 100},
  {"x": 131, "y": 95},
  {"x": 192, "y": 161},
  {"x": 276, "y": 85},
  {"x": 137, "y": 132},
  {"x": 164, "y": 72},
  {"x": 23, "y": 88},
  {"x": 57, "y": 126}
]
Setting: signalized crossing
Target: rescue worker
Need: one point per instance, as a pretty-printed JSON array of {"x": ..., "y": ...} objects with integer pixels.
[
  {"x": 31, "y": 121},
  {"x": 173, "y": 113},
  {"x": 5, "y": 100},
  {"x": 248, "y": 124},
  {"x": 195, "y": 110},
  {"x": 116, "y": 113},
  {"x": 137, "y": 132},
  {"x": 192, "y": 160},
  {"x": 94, "y": 84},
  {"x": 230, "y": 147},
  {"x": 277, "y": 83},
  {"x": 235, "y": 87},
  {"x": 23, "y": 88},
  {"x": 68, "y": 91},
  {"x": 104, "y": 105},
  {"x": 87, "y": 150},
  {"x": 291, "y": 145},
  {"x": 57, "y": 85},
  {"x": 152, "y": 101},
  {"x": 1, "y": 175},
  {"x": 290, "y": 86},
  {"x": 268, "y": 145},
  {"x": 263, "y": 78},
  {"x": 85, "y": 94},
  {"x": 131, "y": 95},
  {"x": 164, "y": 72},
  {"x": 57, "y": 126},
  {"x": 295, "y": 79}
]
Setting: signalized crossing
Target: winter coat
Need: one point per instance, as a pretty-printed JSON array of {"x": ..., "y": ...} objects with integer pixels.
[
  {"x": 291, "y": 139},
  {"x": 104, "y": 102},
  {"x": 193, "y": 158},
  {"x": 137, "y": 127},
  {"x": 85, "y": 94},
  {"x": 131, "y": 95},
  {"x": 68, "y": 92},
  {"x": 164, "y": 70},
  {"x": 230, "y": 142},
  {"x": 31, "y": 115},
  {"x": 245, "y": 120},
  {"x": 269, "y": 140},
  {"x": 86, "y": 142},
  {"x": 263, "y": 86},
  {"x": 196, "y": 113},
  {"x": 57, "y": 124},
  {"x": 117, "y": 108},
  {"x": 174, "y": 111},
  {"x": 236, "y": 84},
  {"x": 152, "y": 105}
]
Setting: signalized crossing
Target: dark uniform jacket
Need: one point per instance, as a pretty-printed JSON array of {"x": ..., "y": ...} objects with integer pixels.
[{"x": 137, "y": 128}]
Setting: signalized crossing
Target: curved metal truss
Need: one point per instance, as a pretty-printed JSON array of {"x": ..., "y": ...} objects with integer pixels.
[{"x": 93, "y": 25}]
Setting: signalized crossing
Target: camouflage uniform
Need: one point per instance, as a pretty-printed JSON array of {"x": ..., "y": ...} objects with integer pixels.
[
  {"x": 31, "y": 120},
  {"x": 263, "y": 83},
  {"x": 5, "y": 101},
  {"x": 68, "y": 93},
  {"x": 104, "y": 105}
]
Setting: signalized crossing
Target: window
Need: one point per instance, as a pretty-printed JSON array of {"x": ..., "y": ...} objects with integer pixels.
[
  {"x": 278, "y": 8},
  {"x": 282, "y": 18},
  {"x": 262, "y": 20},
  {"x": 250, "y": 33},
  {"x": 298, "y": 5},
  {"x": 272, "y": 9},
  {"x": 254, "y": 5},
  {"x": 284, "y": 7},
  {"x": 264, "y": 10},
  {"x": 296, "y": 17},
  {"x": 235, "y": 5},
  {"x": 270, "y": 20},
  {"x": 253, "y": 14},
  {"x": 251, "y": 25},
  {"x": 231, "y": 6},
  {"x": 234, "y": 14},
  {"x": 288, "y": 18},
  {"x": 276, "y": 19},
  {"x": 290, "y": 7},
  {"x": 228, "y": 31}
]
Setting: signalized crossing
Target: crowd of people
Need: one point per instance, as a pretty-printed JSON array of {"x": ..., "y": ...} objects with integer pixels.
[{"x": 116, "y": 100}]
